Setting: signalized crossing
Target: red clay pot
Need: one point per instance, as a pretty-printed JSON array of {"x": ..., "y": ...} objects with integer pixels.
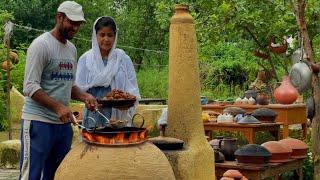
[
  {"x": 233, "y": 174},
  {"x": 299, "y": 148},
  {"x": 286, "y": 93},
  {"x": 279, "y": 153}
]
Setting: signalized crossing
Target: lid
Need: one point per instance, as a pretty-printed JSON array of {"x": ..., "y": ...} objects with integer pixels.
[
  {"x": 234, "y": 110},
  {"x": 252, "y": 150},
  {"x": 276, "y": 147},
  {"x": 249, "y": 119},
  {"x": 264, "y": 112},
  {"x": 294, "y": 143}
]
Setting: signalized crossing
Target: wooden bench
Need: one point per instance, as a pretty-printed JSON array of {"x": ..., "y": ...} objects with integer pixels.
[
  {"x": 256, "y": 172},
  {"x": 287, "y": 114},
  {"x": 248, "y": 130}
]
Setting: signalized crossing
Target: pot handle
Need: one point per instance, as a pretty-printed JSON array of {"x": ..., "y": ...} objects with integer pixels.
[{"x": 142, "y": 119}]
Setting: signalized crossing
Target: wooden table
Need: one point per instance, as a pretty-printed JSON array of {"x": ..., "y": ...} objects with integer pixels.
[
  {"x": 287, "y": 114},
  {"x": 255, "y": 172},
  {"x": 248, "y": 130}
]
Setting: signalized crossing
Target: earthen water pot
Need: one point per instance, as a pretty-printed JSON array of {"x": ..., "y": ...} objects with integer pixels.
[
  {"x": 279, "y": 152},
  {"x": 286, "y": 93},
  {"x": 228, "y": 146},
  {"x": 299, "y": 148}
]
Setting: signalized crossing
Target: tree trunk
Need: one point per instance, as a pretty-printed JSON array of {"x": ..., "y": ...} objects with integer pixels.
[{"x": 299, "y": 9}]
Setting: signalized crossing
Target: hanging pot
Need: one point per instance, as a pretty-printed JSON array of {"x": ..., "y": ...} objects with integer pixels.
[
  {"x": 286, "y": 93},
  {"x": 301, "y": 76}
]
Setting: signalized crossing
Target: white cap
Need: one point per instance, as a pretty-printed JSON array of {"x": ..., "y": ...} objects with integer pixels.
[{"x": 72, "y": 10}]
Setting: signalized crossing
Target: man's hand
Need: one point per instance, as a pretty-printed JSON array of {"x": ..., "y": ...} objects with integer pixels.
[
  {"x": 88, "y": 99},
  {"x": 91, "y": 102},
  {"x": 64, "y": 114}
]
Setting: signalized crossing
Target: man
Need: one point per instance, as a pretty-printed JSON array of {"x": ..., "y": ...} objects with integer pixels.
[{"x": 50, "y": 70}]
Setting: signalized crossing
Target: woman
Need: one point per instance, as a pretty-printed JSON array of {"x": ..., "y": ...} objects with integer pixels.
[{"x": 103, "y": 68}]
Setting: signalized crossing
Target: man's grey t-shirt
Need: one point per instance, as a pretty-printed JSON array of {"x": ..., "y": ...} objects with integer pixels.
[{"x": 50, "y": 66}]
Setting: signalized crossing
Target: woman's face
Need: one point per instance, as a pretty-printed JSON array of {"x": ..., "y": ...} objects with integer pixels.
[{"x": 105, "y": 38}]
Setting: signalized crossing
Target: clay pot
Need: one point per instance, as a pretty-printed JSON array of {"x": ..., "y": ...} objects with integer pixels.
[
  {"x": 277, "y": 48},
  {"x": 233, "y": 174},
  {"x": 262, "y": 98},
  {"x": 13, "y": 57},
  {"x": 234, "y": 110},
  {"x": 299, "y": 148},
  {"x": 265, "y": 115},
  {"x": 252, "y": 154},
  {"x": 5, "y": 66},
  {"x": 286, "y": 93},
  {"x": 250, "y": 93},
  {"x": 248, "y": 119},
  {"x": 228, "y": 147},
  {"x": 260, "y": 54},
  {"x": 279, "y": 152}
]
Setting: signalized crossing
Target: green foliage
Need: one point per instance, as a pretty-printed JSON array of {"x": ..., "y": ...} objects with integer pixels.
[{"x": 153, "y": 82}]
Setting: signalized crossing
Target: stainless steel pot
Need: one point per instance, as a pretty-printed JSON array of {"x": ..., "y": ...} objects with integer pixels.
[{"x": 301, "y": 76}]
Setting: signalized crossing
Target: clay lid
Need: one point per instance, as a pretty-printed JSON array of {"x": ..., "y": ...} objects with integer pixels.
[
  {"x": 294, "y": 143},
  {"x": 264, "y": 112},
  {"x": 234, "y": 110},
  {"x": 249, "y": 119},
  {"x": 276, "y": 147},
  {"x": 233, "y": 174},
  {"x": 252, "y": 150}
]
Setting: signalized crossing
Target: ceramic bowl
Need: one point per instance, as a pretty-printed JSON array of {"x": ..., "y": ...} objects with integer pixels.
[
  {"x": 279, "y": 153},
  {"x": 299, "y": 148}
]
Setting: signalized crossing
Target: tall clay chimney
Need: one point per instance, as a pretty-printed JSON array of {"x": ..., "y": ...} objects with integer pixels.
[{"x": 196, "y": 161}]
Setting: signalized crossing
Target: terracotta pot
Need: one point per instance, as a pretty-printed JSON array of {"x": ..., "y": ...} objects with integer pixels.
[
  {"x": 13, "y": 57},
  {"x": 233, "y": 174},
  {"x": 299, "y": 148},
  {"x": 262, "y": 98},
  {"x": 286, "y": 93},
  {"x": 5, "y": 66},
  {"x": 279, "y": 152}
]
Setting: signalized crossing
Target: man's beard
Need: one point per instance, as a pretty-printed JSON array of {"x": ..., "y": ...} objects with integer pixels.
[{"x": 64, "y": 33}]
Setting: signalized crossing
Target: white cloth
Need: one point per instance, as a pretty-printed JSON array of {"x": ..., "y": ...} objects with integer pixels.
[
  {"x": 119, "y": 72},
  {"x": 163, "y": 118}
]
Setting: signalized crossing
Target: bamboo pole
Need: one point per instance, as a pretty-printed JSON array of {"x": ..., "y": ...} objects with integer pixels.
[{"x": 7, "y": 43}]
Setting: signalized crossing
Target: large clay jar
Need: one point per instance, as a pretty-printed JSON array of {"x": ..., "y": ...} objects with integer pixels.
[{"x": 286, "y": 93}]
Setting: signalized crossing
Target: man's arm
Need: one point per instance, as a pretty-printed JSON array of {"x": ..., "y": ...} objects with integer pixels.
[
  {"x": 88, "y": 99},
  {"x": 64, "y": 113}
]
